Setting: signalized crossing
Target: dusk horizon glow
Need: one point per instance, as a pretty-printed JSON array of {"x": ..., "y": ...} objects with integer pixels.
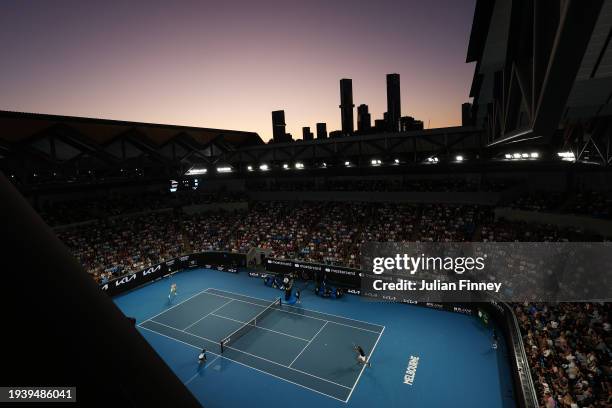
[{"x": 229, "y": 66}]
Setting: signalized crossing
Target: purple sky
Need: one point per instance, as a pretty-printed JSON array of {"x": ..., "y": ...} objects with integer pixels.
[{"x": 228, "y": 65}]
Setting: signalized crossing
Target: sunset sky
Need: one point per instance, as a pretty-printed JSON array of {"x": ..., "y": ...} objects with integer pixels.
[{"x": 229, "y": 64}]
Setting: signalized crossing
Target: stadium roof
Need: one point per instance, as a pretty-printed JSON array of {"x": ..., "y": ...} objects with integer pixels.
[
  {"x": 539, "y": 67},
  {"x": 60, "y": 144},
  {"x": 23, "y": 127}
]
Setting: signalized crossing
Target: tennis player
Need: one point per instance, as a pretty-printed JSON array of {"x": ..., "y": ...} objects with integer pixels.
[
  {"x": 202, "y": 357},
  {"x": 287, "y": 293},
  {"x": 172, "y": 294},
  {"x": 361, "y": 356}
]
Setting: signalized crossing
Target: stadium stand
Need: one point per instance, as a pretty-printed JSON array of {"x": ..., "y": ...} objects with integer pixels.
[
  {"x": 569, "y": 354},
  {"x": 567, "y": 344},
  {"x": 593, "y": 203}
]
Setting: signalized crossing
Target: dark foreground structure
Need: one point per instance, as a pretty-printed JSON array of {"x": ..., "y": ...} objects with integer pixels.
[{"x": 78, "y": 338}]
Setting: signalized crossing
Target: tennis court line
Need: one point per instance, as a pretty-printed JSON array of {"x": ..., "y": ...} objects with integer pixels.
[
  {"x": 172, "y": 338},
  {"x": 301, "y": 308},
  {"x": 290, "y": 368},
  {"x": 180, "y": 303},
  {"x": 284, "y": 379},
  {"x": 364, "y": 366},
  {"x": 203, "y": 368},
  {"x": 213, "y": 360},
  {"x": 309, "y": 341},
  {"x": 255, "y": 326},
  {"x": 297, "y": 314},
  {"x": 183, "y": 331},
  {"x": 242, "y": 364},
  {"x": 200, "y": 319},
  {"x": 254, "y": 355}
]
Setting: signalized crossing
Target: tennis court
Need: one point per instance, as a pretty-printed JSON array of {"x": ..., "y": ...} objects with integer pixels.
[
  {"x": 302, "y": 356},
  {"x": 304, "y": 347}
]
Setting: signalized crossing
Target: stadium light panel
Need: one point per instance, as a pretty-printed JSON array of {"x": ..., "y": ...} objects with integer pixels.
[
  {"x": 347, "y": 163},
  {"x": 522, "y": 156},
  {"x": 225, "y": 169},
  {"x": 567, "y": 156},
  {"x": 459, "y": 158},
  {"x": 376, "y": 162},
  {"x": 286, "y": 166},
  {"x": 396, "y": 161},
  {"x": 299, "y": 165},
  {"x": 264, "y": 167},
  {"x": 324, "y": 165},
  {"x": 194, "y": 171},
  {"x": 250, "y": 168}
]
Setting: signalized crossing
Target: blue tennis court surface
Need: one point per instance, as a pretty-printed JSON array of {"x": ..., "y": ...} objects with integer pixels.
[
  {"x": 303, "y": 355},
  {"x": 307, "y": 348}
]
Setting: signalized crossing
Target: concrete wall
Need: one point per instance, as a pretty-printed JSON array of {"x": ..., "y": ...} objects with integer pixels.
[
  {"x": 482, "y": 198},
  {"x": 101, "y": 192}
]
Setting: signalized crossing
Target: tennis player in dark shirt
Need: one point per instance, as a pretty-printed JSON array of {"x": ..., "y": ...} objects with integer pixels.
[{"x": 361, "y": 356}]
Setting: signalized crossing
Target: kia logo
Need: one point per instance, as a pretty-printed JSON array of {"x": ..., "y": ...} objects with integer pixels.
[
  {"x": 151, "y": 270},
  {"x": 125, "y": 280}
]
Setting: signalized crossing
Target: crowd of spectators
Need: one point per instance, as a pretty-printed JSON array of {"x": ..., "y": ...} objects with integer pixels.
[
  {"x": 311, "y": 231},
  {"x": 567, "y": 344},
  {"x": 568, "y": 347},
  {"x": 113, "y": 247},
  {"x": 449, "y": 223},
  {"x": 501, "y": 230},
  {"x": 328, "y": 232},
  {"x": 539, "y": 201},
  {"x": 596, "y": 204}
]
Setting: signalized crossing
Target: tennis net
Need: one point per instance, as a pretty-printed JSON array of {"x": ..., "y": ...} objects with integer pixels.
[{"x": 249, "y": 325}]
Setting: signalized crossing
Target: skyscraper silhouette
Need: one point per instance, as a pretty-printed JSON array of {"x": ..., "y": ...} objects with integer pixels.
[
  {"x": 321, "y": 130},
  {"x": 278, "y": 126},
  {"x": 394, "y": 104},
  {"x": 364, "y": 120},
  {"x": 306, "y": 133},
  {"x": 346, "y": 105}
]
